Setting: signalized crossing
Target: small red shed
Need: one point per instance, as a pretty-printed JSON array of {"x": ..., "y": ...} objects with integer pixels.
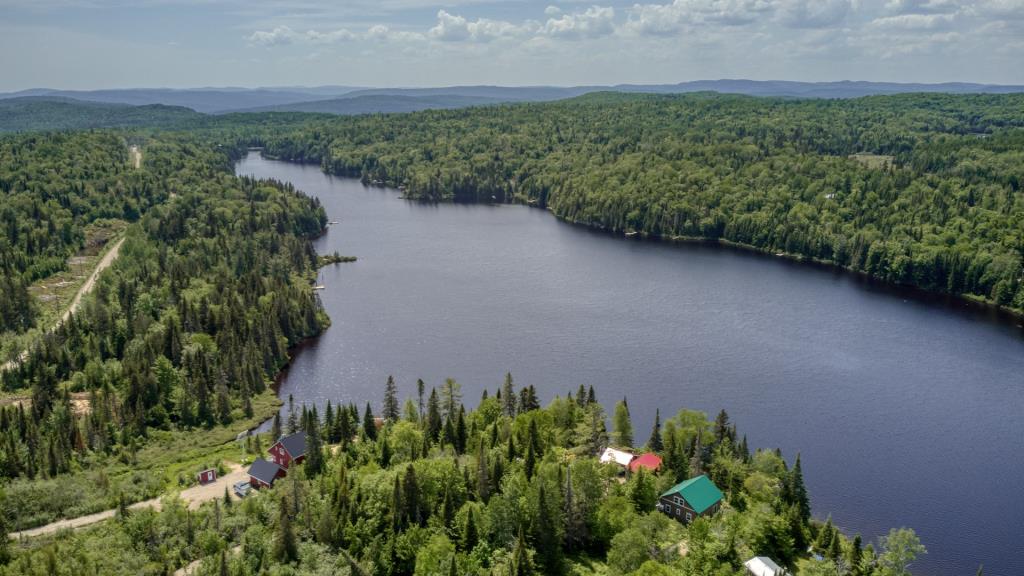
[{"x": 207, "y": 476}]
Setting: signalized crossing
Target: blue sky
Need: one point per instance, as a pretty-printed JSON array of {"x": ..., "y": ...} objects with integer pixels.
[{"x": 85, "y": 44}]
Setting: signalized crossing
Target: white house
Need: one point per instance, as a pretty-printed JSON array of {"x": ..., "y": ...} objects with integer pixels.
[
  {"x": 763, "y": 566},
  {"x": 613, "y": 456}
]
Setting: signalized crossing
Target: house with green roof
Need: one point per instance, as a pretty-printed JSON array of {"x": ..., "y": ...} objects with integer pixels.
[{"x": 690, "y": 499}]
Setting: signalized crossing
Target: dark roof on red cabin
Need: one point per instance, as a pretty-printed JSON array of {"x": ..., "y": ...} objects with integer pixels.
[
  {"x": 264, "y": 470},
  {"x": 295, "y": 444}
]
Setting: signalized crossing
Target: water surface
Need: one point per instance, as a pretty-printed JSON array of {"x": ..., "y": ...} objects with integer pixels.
[{"x": 907, "y": 411}]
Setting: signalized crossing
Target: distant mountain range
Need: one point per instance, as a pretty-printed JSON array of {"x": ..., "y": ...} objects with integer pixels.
[
  {"x": 45, "y": 109},
  {"x": 355, "y": 100}
]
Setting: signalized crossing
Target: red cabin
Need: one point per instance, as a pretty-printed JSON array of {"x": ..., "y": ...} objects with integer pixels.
[
  {"x": 263, "y": 473},
  {"x": 289, "y": 449}
]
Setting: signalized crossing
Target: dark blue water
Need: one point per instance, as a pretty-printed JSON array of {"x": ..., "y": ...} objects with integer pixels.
[{"x": 907, "y": 412}]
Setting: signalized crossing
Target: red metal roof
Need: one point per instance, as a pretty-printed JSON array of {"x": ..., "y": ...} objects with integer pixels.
[{"x": 650, "y": 461}]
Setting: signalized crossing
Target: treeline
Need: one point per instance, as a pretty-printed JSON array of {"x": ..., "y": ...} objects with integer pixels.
[
  {"x": 939, "y": 207},
  {"x": 194, "y": 318},
  {"x": 428, "y": 487}
]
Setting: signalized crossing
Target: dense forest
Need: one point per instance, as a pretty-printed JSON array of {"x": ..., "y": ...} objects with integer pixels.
[
  {"x": 184, "y": 331},
  {"x": 55, "y": 113},
  {"x": 510, "y": 488},
  {"x": 921, "y": 190}
]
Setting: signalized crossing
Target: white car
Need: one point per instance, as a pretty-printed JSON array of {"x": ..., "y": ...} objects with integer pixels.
[{"x": 242, "y": 488}]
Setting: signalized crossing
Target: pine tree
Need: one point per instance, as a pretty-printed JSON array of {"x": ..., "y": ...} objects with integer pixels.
[
  {"x": 722, "y": 428},
  {"x": 460, "y": 431},
  {"x": 385, "y": 453},
  {"x": 275, "y": 428},
  {"x": 369, "y": 426},
  {"x": 856, "y": 552},
  {"x": 530, "y": 461},
  {"x": 223, "y": 563},
  {"x": 654, "y": 444},
  {"x": 434, "y": 422},
  {"x": 545, "y": 536},
  {"x": 508, "y": 396},
  {"x": 285, "y": 548},
  {"x": 420, "y": 387},
  {"x": 520, "y": 557},
  {"x": 390, "y": 411},
  {"x": 398, "y": 514},
  {"x": 411, "y": 497},
  {"x": 576, "y": 532},
  {"x": 470, "y": 535},
  {"x": 796, "y": 491},
  {"x": 315, "y": 450},
  {"x": 483, "y": 483}
]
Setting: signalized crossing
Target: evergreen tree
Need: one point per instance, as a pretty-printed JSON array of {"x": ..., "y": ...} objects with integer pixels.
[
  {"x": 654, "y": 444},
  {"x": 385, "y": 452},
  {"x": 483, "y": 484},
  {"x": 521, "y": 565},
  {"x": 530, "y": 462},
  {"x": 460, "y": 431},
  {"x": 796, "y": 491},
  {"x": 398, "y": 514},
  {"x": 546, "y": 540},
  {"x": 508, "y": 396},
  {"x": 420, "y": 387},
  {"x": 369, "y": 425},
  {"x": 470, "y": 535},
  {"x": 390, "y": 412},
  {"x": 576, "y": 530},
  {"x": 434, "y": 422},
  {"x": 411, "y": 497},
  {"x": 285, "y": 547}
]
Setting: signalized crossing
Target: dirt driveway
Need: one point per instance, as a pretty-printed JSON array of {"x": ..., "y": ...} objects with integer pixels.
[{"x": 193, "y": 496}]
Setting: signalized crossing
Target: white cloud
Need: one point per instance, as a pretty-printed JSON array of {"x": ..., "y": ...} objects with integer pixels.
[
  {"x": 914, "y": 21},
  {"x": 282, "y": 35},
  {"x": 922, "y": 6},
  {"x": 452, "y": 28},
  {"x": 595, "y": 22},
  {"x": 674, "y": 17}
]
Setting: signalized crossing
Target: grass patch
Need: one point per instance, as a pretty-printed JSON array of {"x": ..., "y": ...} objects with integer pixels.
[{"x": 876, "y": 161}]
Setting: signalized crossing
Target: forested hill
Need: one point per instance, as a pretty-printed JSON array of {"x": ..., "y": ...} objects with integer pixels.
[
  {"x": 921, "y": 189},
  {"x": 50, "y": 113}
]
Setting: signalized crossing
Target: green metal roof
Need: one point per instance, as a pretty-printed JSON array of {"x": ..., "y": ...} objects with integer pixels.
[{"x": 700, "y": 493}]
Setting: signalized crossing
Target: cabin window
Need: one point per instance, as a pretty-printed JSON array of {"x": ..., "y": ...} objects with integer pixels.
[{"x": 689, "y": 516}]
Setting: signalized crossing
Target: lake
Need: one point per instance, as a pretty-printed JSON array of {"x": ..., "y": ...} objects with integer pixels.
[{"x": 907, "y": 410}]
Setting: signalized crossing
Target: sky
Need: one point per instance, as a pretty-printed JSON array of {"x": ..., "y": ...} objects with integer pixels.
[{"x": 89, "y": 44}]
